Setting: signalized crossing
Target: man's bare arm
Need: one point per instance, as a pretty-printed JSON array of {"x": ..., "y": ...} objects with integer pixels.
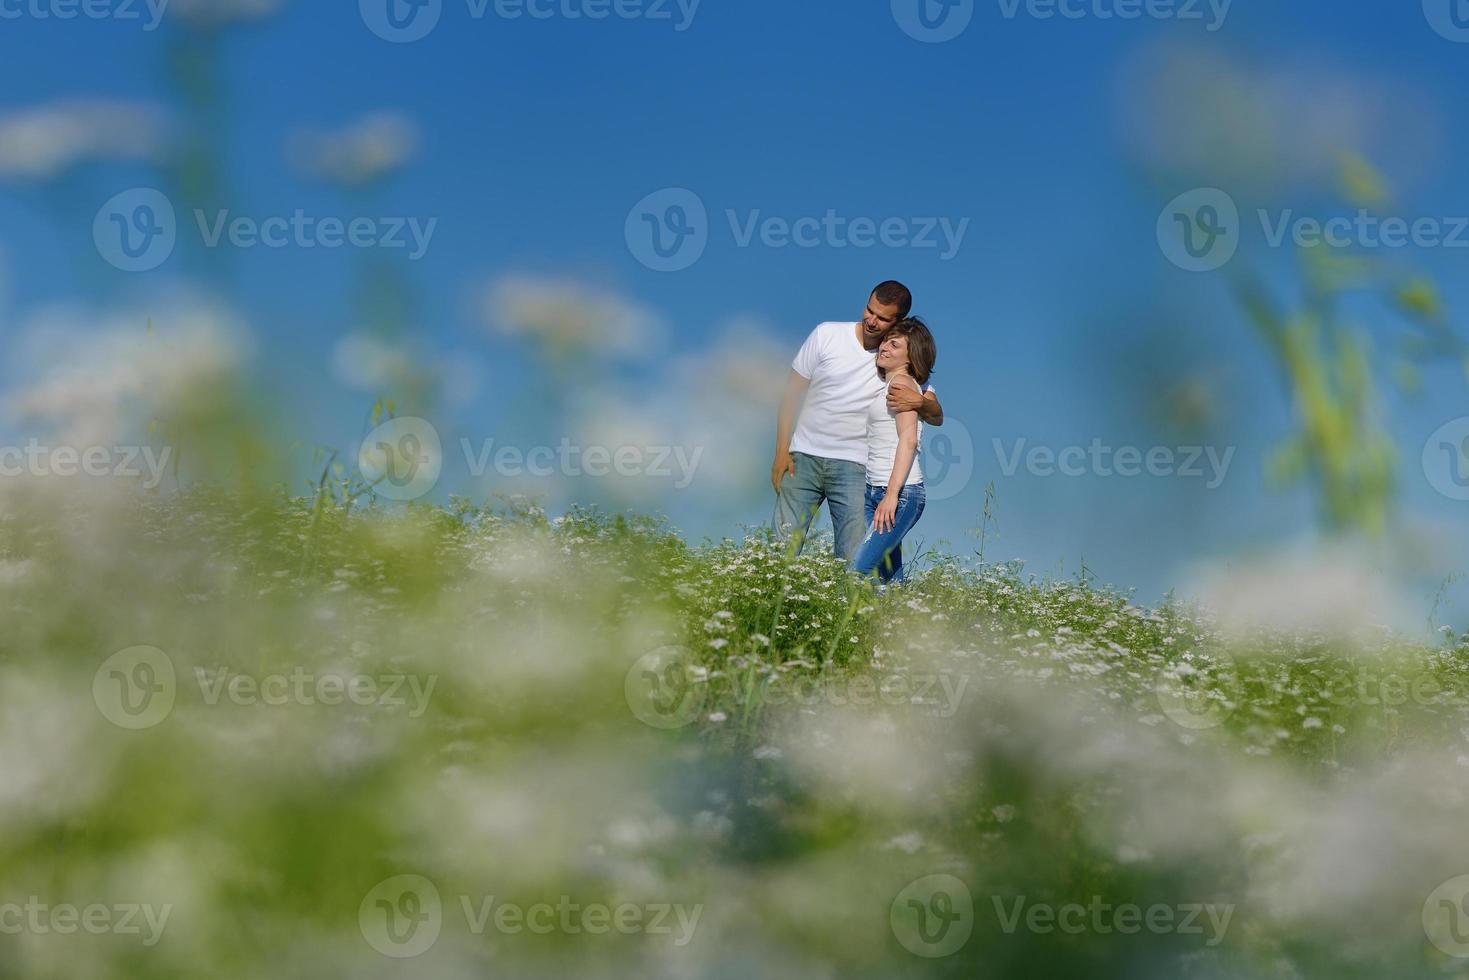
[
  {"x": 931, "y": 412},
  {"x": 785, "y": 423},
  {"x": 903, "y": 399}
]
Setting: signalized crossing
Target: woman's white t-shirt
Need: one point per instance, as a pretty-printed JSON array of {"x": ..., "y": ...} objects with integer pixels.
[{"x": 882, "y": 441}]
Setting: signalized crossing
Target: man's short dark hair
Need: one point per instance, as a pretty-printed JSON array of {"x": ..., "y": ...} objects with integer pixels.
[{"x": 894, "y": 293}]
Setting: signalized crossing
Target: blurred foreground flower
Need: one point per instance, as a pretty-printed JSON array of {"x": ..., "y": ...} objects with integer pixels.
[
  {"x": 1217, "y": 119},
  {"x": 373, "y": 365},
  {"x": 362, "y": 152},
  {"x": 1332, "y": 590},
  {"x": 218, "y": 13},
  {"x": 87, "y": 382},
  {"x": 566, "y": 318},
  {"x": 712, "y": 407},
  {"x": 44, "y": 142}
]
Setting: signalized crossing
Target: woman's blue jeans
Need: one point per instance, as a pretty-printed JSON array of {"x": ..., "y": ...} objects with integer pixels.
[{"x": 882, "y": 552}]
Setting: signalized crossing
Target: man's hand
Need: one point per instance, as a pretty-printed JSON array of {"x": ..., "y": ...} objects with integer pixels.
[
  {"x": 784, "y": 466},
  {"x": 886, "y": 513},
  {"x": 902, "y": 398},
  {"x": 790, "y": 404}
]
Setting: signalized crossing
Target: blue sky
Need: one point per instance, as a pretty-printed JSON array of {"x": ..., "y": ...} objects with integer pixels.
[{"x": 1056, "y": 318}]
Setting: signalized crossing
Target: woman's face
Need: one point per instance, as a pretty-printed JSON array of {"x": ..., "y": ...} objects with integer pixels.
[{"x": 893, "y": 354}]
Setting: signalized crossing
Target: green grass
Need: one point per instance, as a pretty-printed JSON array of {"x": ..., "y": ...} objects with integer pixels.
[{"x": 826, "y": 745}]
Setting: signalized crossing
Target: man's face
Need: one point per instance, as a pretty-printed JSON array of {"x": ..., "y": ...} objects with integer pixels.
[{"x": 877, "y": 320}]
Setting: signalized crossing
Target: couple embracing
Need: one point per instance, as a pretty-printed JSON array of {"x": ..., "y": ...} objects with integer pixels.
[{"x": 849, "y": 432}]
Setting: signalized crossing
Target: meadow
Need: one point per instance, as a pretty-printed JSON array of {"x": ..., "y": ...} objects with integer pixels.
[
  {"x": 264, "y": 715},
  {"x": 325, "y": 735}
]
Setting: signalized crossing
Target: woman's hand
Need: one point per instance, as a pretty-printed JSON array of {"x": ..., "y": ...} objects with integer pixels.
[{"x": 886, "y": 514}]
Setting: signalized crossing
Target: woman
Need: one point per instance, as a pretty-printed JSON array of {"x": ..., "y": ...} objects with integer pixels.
[{"x": 895, "y": 495}]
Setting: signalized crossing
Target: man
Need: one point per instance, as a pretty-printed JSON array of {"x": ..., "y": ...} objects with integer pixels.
[{"x": 822, "y": 453}]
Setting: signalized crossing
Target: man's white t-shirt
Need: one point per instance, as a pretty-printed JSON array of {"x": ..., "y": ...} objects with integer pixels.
[{"x": 844, "y": 381}]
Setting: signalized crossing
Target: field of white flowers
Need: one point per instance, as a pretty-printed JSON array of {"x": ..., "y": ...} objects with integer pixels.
[{"x": 293, "y": 737}]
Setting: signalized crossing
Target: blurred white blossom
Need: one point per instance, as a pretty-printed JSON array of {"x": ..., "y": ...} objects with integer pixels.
[
  {"x": 365, "y": 150},
  {"x": 567, "y": 318},
  {"x": 1330, "y": 590},
  {"x": 217, "y": 13},
  {"x": 1273, "y": 127},
  {"x": 86, "y": 380},
  {"x": 718, "y": 402},
  {"x": 374, "y": 365},
  {"x": 43, "y": 142},
  {"x": 366, "y": 363},
  {"x": 49, "y": 747}
]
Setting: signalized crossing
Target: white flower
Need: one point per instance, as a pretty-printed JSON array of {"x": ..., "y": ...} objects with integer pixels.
[
  {"x": 361, "y": 152},
  {"x": 44, "y": 142},
  {"x": 88, "y": 380},
  {"x": 214, "y": 13},
  {"x": 566, "y": 317}
]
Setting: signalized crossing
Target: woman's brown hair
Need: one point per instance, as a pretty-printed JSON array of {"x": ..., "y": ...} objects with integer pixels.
[{"x": 922, "y": 351}]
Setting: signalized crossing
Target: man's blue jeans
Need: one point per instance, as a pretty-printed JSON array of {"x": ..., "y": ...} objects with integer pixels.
[
  {"x": 840, "y": 483},
  {"x": 883, "y": 552}
]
